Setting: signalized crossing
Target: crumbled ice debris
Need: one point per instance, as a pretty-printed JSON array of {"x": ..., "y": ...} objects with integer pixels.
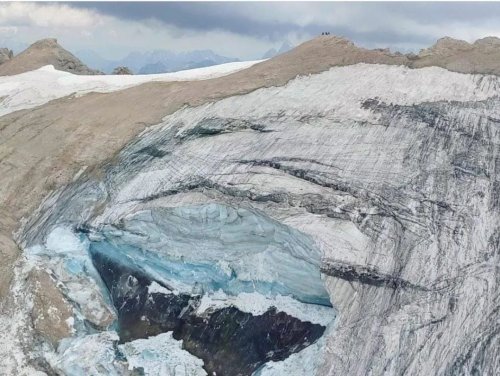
[
  {"x": 64, "y": 240},
  {"x": 94, "y": 354},
  {"x": 157, "y": 288},
  {"x": 70, "y": 321},
  {"x": 305, "y": 362},
  {"x": 65, "y": 255},
  {"x": 162, "y": 355}
]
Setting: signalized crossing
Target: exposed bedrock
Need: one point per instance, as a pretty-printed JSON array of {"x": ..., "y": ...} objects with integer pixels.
[
  {"x": 379, "y": 196},
  {"x": 230, "y": 341},
  {"x": 44, "y": 52}
]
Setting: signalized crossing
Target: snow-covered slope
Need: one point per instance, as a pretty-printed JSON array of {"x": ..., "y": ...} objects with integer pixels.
[
  {"x": 371, "y": 187},
  {"x": 37, "y": 87}
]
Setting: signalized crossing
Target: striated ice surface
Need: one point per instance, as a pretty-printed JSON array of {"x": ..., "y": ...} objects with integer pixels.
[
  {"x": 371, "y": 188},
  {"x": 218, "y": 247}
]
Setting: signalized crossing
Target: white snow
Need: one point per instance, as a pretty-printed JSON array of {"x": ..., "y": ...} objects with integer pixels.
[
  {"x": 157, "y": 288},
  {"x": 257, "y": 304},
  {"x": 34, "y": 88},
  {"x": 62, "y": 240}
]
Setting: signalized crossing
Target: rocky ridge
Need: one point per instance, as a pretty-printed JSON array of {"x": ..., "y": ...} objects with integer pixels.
[
  {"x": 481, "y": 56},
  {"x": 5, "y": 55},
  {"x": 41, "y": 53},
  {"x": 121, "y": 70}
]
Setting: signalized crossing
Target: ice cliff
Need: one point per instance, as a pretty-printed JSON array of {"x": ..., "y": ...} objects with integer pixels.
[{"x": 332, "y": 226}]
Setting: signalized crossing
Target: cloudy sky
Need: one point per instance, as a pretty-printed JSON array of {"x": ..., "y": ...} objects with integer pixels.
[{"x": 242, "y": 30}]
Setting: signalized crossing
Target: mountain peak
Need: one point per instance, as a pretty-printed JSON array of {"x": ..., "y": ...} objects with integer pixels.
[
  {"x": 285, "y": 47},
  {"x": 446, "y": 46},
  {"x": 5, "y": 55},
  {"x": 45, "y": 43},
  {"x": 488, "y": 40},
  {"x": 45, "y": 52}
]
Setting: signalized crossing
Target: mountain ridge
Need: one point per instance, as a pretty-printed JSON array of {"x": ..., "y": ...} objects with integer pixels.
[
  {"x": 285, "y": 47},
  {"x": 45, "y": 52},
  {"x": 156, "y": 61},
  {"x": 481, "y": 56}
]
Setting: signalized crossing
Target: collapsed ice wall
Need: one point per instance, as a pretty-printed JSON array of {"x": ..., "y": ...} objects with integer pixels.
[{"x": 389, "y": 185}]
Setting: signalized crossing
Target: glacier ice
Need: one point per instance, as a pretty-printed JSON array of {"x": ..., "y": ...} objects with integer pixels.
[
  {"x": 212, "y": 332},
  {"x": 218, "y": 247},
  {"x": 209, "y": 261},
  {"x": 66, "y": 255},
  {"x": 162, "y": 355},
  {"x": 94, "y": 354},
  {"x": 388, "y": 184}
]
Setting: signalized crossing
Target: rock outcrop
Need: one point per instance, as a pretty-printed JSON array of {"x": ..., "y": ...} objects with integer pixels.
[
  {"x": 482, "y": 56},
  {"x": 41, "y": 53},
  {"x": 121, "y": 70},
  {"x": 5, "y": 55}
]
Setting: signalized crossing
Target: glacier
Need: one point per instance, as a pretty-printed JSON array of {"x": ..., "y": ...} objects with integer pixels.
[{"x": 362, "y": 213}]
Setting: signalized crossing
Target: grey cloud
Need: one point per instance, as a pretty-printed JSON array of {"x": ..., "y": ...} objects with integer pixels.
[
  {"x": 193, "y": 16},
  {"x": 243, "y": 18}
]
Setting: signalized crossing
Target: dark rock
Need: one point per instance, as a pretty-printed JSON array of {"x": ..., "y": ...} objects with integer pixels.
[
  {"x": 122, "y": 70},
  {"x": 229, "y": 341},
  {"x": 5, "y": 55}
]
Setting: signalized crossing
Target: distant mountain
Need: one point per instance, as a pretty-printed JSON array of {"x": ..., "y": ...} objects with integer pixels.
[
  {"x": 285, "y": 47},
  {"x": 157, "y": 61},
  {"x": 270, "y": 53},
  {"x": 158, "y": 67},
  {"x": 121, "y": 70},
  {"x": 93, "y": 59}
]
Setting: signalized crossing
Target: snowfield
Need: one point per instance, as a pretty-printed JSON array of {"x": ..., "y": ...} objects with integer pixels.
[{"x": 31, "y": 89}]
